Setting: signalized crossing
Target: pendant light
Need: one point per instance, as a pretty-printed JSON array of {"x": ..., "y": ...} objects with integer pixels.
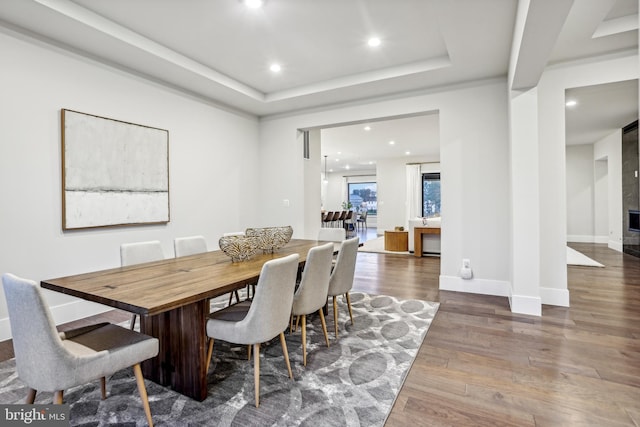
[{"x": 326, "y": 180}]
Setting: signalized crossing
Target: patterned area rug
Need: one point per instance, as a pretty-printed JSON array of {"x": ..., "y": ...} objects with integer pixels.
[{"x": 353, "y": 383}]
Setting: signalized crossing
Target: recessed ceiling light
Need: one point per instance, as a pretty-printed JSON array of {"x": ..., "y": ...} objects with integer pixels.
[
  {"x": 367, "y": 128},
  {"x": 392, "y": 142},
  {"x": 571, "y": 103},
  {"x": 275, "y": 68},
  {"x": 407, "y": 152},
  {"x": 253, "y": 4},
  {"x": 339, "y": 152},
  {"x": 337, "y": 160},
  {"x": 347, "y": 167},
  {"x": 374, "y": 41}
]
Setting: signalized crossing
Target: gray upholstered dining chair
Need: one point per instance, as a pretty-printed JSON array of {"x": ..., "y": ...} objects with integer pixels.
[
  {"x": 341, "y": 280},
  {"x": 263, "y": 318},
  {"x": 311, "y": 295},
  {"x": 185, "y": 246},
  {"x": 52, "y": 361},
  {"x": 138, "y": 253}
]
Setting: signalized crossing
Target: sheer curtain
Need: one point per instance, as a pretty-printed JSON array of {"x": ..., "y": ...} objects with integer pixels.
[{"x": 414, "y": 191}]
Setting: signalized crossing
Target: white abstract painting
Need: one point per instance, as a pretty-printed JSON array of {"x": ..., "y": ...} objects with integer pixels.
[{"x": 114, "y": 173}]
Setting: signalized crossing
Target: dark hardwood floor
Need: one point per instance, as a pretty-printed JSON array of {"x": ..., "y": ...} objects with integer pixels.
[{"x": 481, "y": 365}]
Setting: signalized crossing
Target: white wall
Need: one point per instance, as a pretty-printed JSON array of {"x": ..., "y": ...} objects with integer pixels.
[
  {"x": 553, "y": 209},
  {"x": 312, "y": 168},
  {"x": 392, "y": 192},
  {"x": 474, "y": 168},
  {"x": 609, "y": 149},
  {"x": 208, "y": 146},
  {"x": 580, "y": 193}
]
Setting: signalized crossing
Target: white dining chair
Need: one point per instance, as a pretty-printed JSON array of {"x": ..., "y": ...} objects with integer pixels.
[
  {"x": 341, "y": 280},
  {"x": 185, "y": 246},
  {"x": 261, "y": 319},
  {"x": 311, "y": 295},
  {"x": 49, "y": 361},
  {"x": 332, "y": 234},
  {"x": 139, "y": 253}
]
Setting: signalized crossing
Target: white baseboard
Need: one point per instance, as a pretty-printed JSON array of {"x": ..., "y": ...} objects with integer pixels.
[
  {"x": 62, "y": 313},
  {"x": 553, "y": 296},
  {"x": 475, "y": 286},
  {"x": 576, "y": 238},
  {"x": 523, "y": 304},
  {"x": 616, "y": 246}
]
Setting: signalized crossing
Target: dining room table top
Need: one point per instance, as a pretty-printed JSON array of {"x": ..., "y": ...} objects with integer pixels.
[{"x": 155, "y": 287}]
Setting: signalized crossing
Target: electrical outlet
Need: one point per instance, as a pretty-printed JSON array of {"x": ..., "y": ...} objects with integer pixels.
[{"x": 285, "y": 203}]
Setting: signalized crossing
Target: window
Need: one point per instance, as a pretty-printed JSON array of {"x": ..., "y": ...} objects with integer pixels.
[
  {"x": 430, "y": 194},
  {"x": 364, "y": 196}
]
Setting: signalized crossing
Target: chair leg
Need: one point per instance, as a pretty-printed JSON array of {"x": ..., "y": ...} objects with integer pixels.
[
  {"x": 237, "y": 295},
  {"x": 324, "y": 327},
  {"x": 304, "y": 339},
  {"x": 133, "y": 322},
  {"x": 57, "y": 397},
  {"x": 31, "y": 396},
  {"x": 349, "y": 306},
  {"x": 256, "y": 372},
  {"x": 103, "y": 387},
  {"x": 285, "y": 352},
  {"x": 143, "y": 393},
  {"x": 209, "y": 353},
  {"x": 249, "y": 347},
  {"x": 335, "y": 315}
]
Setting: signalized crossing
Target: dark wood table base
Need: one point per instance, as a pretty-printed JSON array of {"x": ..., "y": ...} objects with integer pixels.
[{"x": 181, "y": 360}]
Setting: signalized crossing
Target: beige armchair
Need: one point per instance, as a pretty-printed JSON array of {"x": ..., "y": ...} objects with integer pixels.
[{"x": 53, "y": 362}]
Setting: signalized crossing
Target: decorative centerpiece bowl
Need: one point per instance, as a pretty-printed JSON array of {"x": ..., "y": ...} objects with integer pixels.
[
  {"x": 270, "y": 239},
  {"x": 238, "y": 248}
]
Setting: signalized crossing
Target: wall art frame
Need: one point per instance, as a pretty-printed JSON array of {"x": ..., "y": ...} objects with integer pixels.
[{"x": 114, "y": 173}]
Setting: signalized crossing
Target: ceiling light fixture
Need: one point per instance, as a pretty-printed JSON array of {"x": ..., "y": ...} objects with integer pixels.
[
  {"x": 253, "y": 4},
  {"x": 367, "y": 128},
  {"x": 407, "y": 152},
  {"x": 374, "y": 41},
  {"x": 571, "y": 103},
  {"x": 275, "y": 68},
  {"x": 392, "y": 142}
]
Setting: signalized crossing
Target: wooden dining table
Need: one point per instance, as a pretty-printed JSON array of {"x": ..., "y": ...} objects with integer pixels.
[{"x": 172, "y": 299}]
